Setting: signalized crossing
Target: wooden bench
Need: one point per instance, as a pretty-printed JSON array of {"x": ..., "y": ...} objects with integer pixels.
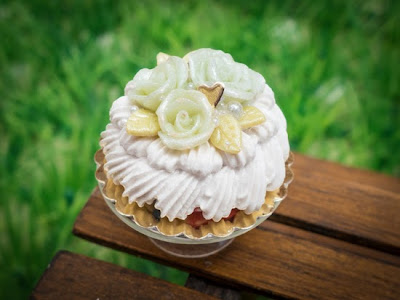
[
  {"x": 74, "y": 276},
  {"x": 336, "y": 236}
]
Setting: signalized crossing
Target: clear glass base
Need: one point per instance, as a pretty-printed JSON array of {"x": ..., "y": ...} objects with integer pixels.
[{"x": 191, "y": 251}]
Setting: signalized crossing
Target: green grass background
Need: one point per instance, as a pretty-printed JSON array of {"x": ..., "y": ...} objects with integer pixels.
[{"x": 333, "y": 67}]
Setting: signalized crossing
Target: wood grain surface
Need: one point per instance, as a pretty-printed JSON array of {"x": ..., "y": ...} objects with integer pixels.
[
  {"x": 358, "y": 206},
  {"x": 275, "y": 259},
  {"x": 210, "y": 288},
  {"x": 74, "y": 276}
]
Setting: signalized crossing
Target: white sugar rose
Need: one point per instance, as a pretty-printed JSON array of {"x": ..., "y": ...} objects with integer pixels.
[
  {"x": 208, "y": 66},
  {"x": 148, "y": 87},
  {"x": 186, "y": 119}
]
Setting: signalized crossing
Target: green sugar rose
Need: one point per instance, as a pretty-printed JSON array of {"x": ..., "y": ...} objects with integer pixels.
[
  {"x": 149, "y": 87},
  {"x": 208, "y": 66},
  {"x": 186, "y": 119}
]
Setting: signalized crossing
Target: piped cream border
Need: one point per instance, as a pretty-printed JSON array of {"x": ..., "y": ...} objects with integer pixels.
[{"x": 143, "y": 217}]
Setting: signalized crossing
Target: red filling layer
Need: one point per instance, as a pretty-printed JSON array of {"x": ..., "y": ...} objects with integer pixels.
[{"x": 196, "y": 219}]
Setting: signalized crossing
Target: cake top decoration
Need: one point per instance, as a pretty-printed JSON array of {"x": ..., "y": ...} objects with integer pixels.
[{"x": 203, "y": 97}]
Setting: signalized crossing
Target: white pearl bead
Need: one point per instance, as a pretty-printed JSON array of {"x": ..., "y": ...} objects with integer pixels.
[
  {"x": 235, "y": 108},
  {"x": 221, "y": 105},
  {"x": 134, "y": 108}
]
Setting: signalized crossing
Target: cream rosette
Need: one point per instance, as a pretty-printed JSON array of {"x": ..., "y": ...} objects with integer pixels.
[
  {"x": 149, "y": 87},
  {"x": 208, "y": 66},
  {"x": 186, "y": 119}
]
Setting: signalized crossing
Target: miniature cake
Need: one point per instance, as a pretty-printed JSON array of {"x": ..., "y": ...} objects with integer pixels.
[{"x": 196, "y": 140}]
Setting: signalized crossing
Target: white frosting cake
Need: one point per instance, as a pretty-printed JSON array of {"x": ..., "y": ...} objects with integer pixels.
[{"x": 180, "y": 168}]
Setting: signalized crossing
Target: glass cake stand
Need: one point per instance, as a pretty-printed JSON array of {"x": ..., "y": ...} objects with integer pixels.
[{"x": 182, "y": 245}]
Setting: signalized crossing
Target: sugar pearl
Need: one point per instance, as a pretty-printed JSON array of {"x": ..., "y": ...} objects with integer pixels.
[
  {"x": 221, "y": 105},
  {"x": 235, "y": 108},
  {"x": 134, "y": 108}
]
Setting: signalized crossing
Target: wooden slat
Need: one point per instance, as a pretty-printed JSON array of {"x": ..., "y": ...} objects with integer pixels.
[
  {"x": 210, "y": 288},
  {"x": 274, "y": 260},
  {"x": 354, "y": 205},
  {"x": 335, "y": 170},
  {"x": 73, "y": 276}
]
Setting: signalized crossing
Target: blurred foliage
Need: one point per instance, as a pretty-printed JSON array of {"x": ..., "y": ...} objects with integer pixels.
[{"x": 333, "y": 67}]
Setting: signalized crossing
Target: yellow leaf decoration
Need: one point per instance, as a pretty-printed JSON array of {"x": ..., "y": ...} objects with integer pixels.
[
  {"x": 143, "y": 122},
  {"x": 227, "y": 136},
  {"x": 251, "y": 117}
]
